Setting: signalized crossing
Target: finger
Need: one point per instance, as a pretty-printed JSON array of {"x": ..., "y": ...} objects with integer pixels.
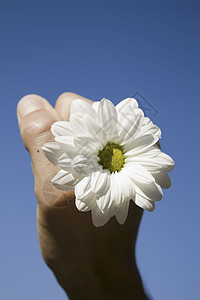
[
  {"x": 64, "y": 102},
  {"x": 35, "y": 116}
]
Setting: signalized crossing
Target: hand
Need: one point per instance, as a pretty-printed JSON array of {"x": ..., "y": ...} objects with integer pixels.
[{"x": 88, "y": 262}]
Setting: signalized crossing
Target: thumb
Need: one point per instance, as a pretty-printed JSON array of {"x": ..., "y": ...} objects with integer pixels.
[{"x": 35, "y": 116}]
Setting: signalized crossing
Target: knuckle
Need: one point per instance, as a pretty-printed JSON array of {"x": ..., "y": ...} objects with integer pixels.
[
  {"x": 32, "y": 129},
  {"x": 66, "y": 97}
]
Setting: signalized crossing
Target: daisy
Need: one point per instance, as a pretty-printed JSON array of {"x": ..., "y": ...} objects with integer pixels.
[{"x": 109, "y": 155}]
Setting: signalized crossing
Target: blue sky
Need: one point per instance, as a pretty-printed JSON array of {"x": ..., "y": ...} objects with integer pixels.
[{"x": 98, "y": 49}]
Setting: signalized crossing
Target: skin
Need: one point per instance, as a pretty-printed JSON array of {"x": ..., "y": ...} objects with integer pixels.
[{"x": 88, "y": 262}]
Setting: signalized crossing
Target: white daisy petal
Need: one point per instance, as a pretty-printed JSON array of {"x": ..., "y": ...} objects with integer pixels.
[
  {"x": 115, "y": 190},
  {"x": 152, "y": 152},
  {"x": 126, "y": 105},
  {"x": 63, "y": 187},
  {"x": 107, "y": 117},
  {"x": 85, "y": 124},
  {"x": 80, "y": 165},
  {"x": 144, "y": 202},
  {"x": 129, "y": 124},
  {"x": 95, "y": 105},
  {"x": 52, "y": 152},
  {"x": 122, "y": 188},
  {"x": 87, "y": 144},
  {"x": 98, "y": 218},
  {"x": 66, "y": 144},
  {"x": 140, "y": 144},
  {"x": 100, "y": 182},
  {"x": 162, "y": 179},
  {"x": 104, "y": 201},
  {"x": 83, "y": 188},
  {"x": 77, "y": 124},
  {"x": 149, "y": 128},
  {"x": 133, "y": 127},
  {"x": 127, "y": 187},
  {"x": 151, "y": 191},
  {"x": 166, "y": 161},
  {"x": 64, "y": 180},
  {"x": 81, "y": 206},
  {"x": 61, "y": 128},
  {"x": 81, "y": 107},
  {"x": 122, "y": 212},
  {"x": 94, "y": 129},
  {"x": 64, "y": 162},
  {"x": 137, "y": 173},
  {"x": 63, "y": 177},
  {"x": 150, "y": 165},
  {"x": 86, "y": 204}
]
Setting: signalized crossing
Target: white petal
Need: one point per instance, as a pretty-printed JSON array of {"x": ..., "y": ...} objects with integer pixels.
[
  {"x": 98, "y": 218},
  {"x": 83, "y": 188},
  {"x": 126, "y": 105},
  {"x": 87, "y": 144},
  {"x": 86, "y": 204},
  {"x": 122, "y": 212},
  {"x": 52, "y": 151},
  {"x": 166, "y": 161},
  {"x": 67, "y": 145},
  {"x": 127, "y": 189},
  {"x": 61, "y": 128},
  {"x": 79, "y": 159},
  {"x": 104, "y": 201},
  {"x": 146, "y": 121},
  {"x": 81, "y": 107},
  {"x": 81, "y": 165},
  {"x": 129, "y": 122},
  {"x": 63, "y": 177},
  {"x": 140, "y": 144},
  {"x": 162, "y": 179},
  {"x": 150, "y": 129},
  {"x": 122, "y": 188},
  {"x": 95, "y": 105},
  {"x": 153, "y": 161},
  {"x": 144, "y": 202},
  {"x": 116, "y": 195},
  {"x": 81, "y": 206},
  {"x": 94, "y": 129},
  {"x": 64, "y": 187},
  {"x": 151, "y": 191},
  {"x": 149, "y": 164},
  {"x": 87, "y": 125},
  {"x": 64, "y": 162},
  {"x": 107, "y": 118},
  {"x": 100, "y": 182},
  {"x": 77, "y": 124},
  {"x": 64, "y": 180},
  {"x": 152, "y": 152},
  {"x": 137, "y": 173}
]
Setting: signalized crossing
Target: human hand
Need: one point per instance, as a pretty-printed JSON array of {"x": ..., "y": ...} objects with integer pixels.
[{"x": 88, "y": 262}]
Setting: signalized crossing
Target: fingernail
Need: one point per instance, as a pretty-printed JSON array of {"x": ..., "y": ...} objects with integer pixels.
[{"x": 29, "y": 104}]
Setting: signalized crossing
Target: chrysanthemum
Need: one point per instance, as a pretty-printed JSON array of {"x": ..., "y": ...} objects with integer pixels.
[{"x": 109, "y": 155}]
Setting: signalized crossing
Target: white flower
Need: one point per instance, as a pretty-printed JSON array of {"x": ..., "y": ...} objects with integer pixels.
[{"x": 109, "y": 156}]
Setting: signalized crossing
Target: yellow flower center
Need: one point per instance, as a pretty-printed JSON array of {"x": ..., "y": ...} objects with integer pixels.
[{"x": 112, "y": 157}]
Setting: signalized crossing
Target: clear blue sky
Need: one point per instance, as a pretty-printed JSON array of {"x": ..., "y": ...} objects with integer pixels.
[{"x": 102, "y": 49}]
